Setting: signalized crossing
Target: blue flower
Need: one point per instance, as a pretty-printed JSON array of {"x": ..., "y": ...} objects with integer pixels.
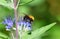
[
  {"x": 26, "y": 25},
  {"x": 8, "y": 22}
]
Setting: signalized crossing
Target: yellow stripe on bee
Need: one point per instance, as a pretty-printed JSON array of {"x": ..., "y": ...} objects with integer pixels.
[{"x": 31, "y": 17}]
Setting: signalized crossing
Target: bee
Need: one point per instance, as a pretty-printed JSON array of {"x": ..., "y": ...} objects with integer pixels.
[
  {"x": 28, "y": 19},
  {"x": 25, "y": 23}
]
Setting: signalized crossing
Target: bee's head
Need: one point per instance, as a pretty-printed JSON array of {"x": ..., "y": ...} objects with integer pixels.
[{"x": 28, "y": 18}]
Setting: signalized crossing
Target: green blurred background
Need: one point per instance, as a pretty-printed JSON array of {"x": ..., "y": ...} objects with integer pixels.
[{"x": 44, "y": 11}]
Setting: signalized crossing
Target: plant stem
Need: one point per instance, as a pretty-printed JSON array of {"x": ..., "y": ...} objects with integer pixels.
[
  {"x": 12, "y": 35},
  {"x": 20, "y": 33},
  {"x": 16, "y": 17},
  {"x": 16, "y": 23},
  {"x": 17, "y": 3}
]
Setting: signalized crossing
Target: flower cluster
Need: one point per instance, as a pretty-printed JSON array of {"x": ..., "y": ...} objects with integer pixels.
[
  {"x": 25, "y": 25},
  {"x": 8, "y": 22},
  {"x": 21, "y": 23}
]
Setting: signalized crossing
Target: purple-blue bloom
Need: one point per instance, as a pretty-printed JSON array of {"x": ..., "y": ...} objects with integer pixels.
[
  {"x": 28, "y": 25},
  {"x": 25, "y": 24},
  {"x": 8, "y": 22}
]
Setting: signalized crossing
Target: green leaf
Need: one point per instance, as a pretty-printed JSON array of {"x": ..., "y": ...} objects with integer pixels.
[
  {"x": 42, "y": 30},
  {"x": 22, "y": 2},
  {"x": 3, "y": 35},
  {"x": 23, "y": 10},
  {"x": 7, "y": 4},
  {"x": 38, "y": 32},
  {"x": 36, "y": 2},
  {"x": 31, "y": 2},
  {"x": 5, "y": 12}
]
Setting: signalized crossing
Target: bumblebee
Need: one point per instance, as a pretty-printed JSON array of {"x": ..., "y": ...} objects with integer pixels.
[{"x": 28, "y": 20}]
